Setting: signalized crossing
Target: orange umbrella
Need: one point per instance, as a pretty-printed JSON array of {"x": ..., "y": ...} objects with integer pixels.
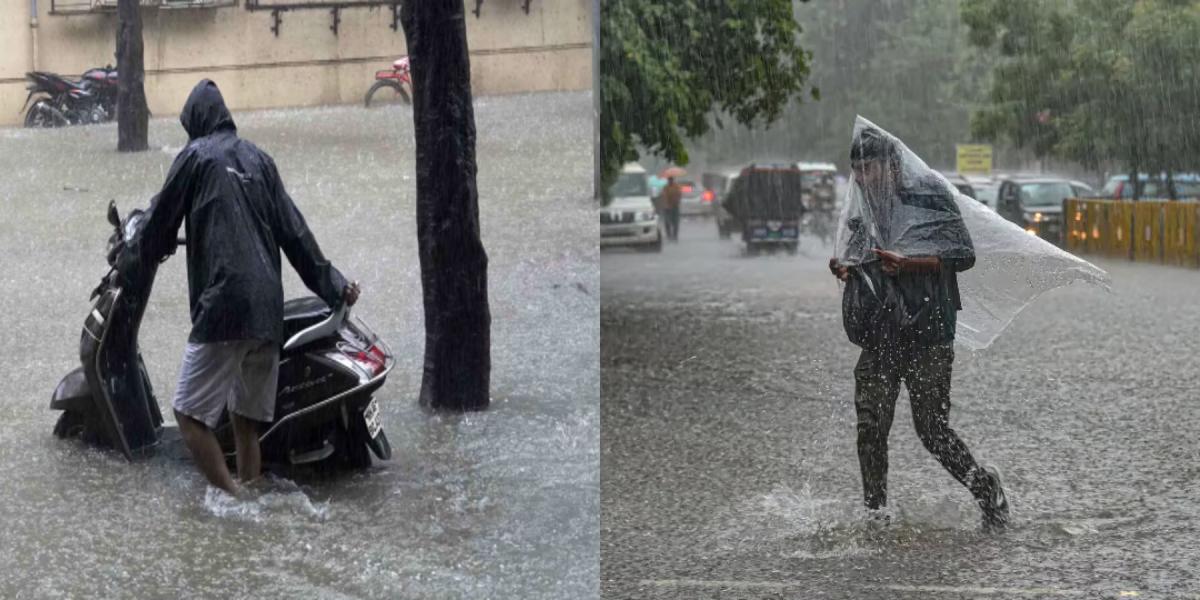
[{"x": 672, "y": 172}]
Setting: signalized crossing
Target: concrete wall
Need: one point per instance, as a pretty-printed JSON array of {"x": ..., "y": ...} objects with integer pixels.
[{"x": 306, "y": 64}]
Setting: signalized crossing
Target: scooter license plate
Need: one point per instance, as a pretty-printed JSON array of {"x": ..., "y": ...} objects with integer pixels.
[{"x": 371, "y": 417}]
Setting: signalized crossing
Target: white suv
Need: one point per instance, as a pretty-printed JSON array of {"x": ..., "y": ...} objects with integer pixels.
[{"x": 629, "y": 218}]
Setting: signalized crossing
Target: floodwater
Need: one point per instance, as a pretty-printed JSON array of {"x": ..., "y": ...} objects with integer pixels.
[
  {"x": 728, "y": 446},
  {"x": 502, "y": 503}
]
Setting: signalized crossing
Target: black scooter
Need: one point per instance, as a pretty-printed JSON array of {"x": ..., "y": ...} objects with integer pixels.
[{"x": 325, "y": 412}]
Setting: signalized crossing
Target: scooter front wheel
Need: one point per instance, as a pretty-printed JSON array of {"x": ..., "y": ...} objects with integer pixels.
[{"x": 70, "y": 424}]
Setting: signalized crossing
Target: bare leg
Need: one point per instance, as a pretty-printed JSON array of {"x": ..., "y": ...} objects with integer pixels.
[
  {"x": 249, "y": 455},
  {"x": 206, "y": 451}
]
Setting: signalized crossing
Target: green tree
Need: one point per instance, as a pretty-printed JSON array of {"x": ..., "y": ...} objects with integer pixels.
[
  {"x": 905, "y": 64},
  {"x": 1093, "y": 81},
  {"x": 668, "y": 69}
]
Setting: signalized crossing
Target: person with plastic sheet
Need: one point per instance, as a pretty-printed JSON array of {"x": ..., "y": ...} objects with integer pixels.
[
  {"x": 238, "y": 218},
  {"x": 904, "y": 246},
  {"x": 905, "y": 239}
]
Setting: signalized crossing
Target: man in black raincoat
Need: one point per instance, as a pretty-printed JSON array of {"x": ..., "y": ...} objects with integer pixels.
[
  {"x": 238, "y": 217},
  {"x": 901, "y": 310}
]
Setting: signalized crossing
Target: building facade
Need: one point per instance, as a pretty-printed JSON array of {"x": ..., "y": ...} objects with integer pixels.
[{"x": 281, "y": 53}]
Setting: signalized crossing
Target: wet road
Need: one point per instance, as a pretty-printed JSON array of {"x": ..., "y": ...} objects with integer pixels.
[
  {"x": 500, "y": 504},
  {"x": 728, "y": 459}
]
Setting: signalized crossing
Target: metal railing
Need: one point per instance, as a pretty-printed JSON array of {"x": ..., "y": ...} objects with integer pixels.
[
  {"x": 70, "y": 7},
  {"x": 172, "y": 4},
  {"x": 479, "y": 6},
  {"x": 335, "y": 8},
  {"x": 75, "y": 7}
]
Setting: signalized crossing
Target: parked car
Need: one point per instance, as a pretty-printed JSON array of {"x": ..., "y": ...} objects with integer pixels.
[
  {"x": 628, "y": 217},
  {"x": 718, "y": 184},
  {"x": 960, "y": 183},
  {"x": 1187, "y": 185},
  {"x": 1035, "y": 203},
  {"x": 1082, "y": 190},
  {"x": 693, "y": 202},
  {"x": 986, "y": 193}
]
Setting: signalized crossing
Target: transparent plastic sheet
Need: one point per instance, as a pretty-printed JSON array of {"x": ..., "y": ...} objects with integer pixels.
[{"x": 1011, "y": 268}]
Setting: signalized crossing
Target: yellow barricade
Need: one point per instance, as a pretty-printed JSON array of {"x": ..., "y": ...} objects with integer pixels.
[
  {"x": 1117, "y": 238},
  {"x": 1096, "y": 227},
  {"x": 1179, "y": 234},
  {"x": 1148, "y": 227},
  {"x": 1154, "y": 231},
  {"x": 1075, "y": 232},
  {"x": 1190, "y": 252}
]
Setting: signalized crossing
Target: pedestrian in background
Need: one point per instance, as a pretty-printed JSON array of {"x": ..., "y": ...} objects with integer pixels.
[{"x": 668, "y": 202}]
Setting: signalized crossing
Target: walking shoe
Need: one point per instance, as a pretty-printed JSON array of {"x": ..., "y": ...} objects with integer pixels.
[{"x": 995, "y": 505}]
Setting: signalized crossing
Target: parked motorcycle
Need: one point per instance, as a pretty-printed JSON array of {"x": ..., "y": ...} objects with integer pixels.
[
  {"x": 55, "y": 101},
  {"x": 392, "y": 86},
  {"x": 330, "y": 367}
]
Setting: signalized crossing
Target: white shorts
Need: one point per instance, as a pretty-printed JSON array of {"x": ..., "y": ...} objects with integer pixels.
[{"x": 241, "y": 375}]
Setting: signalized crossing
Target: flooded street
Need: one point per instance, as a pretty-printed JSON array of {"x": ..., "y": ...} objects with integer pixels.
[
  {"x": 502, "y": 503},
  {"x": 728, "y": 448}
]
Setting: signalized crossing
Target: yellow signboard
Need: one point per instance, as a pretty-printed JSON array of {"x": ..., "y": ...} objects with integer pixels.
[{"x": 974, "y": 158}]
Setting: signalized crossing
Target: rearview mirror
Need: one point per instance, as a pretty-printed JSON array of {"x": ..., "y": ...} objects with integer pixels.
[{"x": 113, "y": 217}]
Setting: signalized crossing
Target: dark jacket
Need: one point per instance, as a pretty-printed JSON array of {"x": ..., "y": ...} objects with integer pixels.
[
  {"x": 907, "y": 310},
  {"x": 238, "y": 217}
]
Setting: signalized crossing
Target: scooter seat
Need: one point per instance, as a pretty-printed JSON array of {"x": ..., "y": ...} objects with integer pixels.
[{"x": 301, "y": 313}]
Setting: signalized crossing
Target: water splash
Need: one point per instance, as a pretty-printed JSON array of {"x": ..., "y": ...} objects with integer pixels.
[{"x": 261, "y": 500}]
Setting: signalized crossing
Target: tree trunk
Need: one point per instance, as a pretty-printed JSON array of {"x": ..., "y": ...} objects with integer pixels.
[
  {"x": 132, "y": 115},
  {"x": 453, "y": 261},
  {"x": 597, "y": 166}
]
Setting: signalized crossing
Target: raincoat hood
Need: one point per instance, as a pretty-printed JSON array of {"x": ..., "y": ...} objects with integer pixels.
[
  {"x": 913, "y": 210},
  {"x": 205, "y": 113}
]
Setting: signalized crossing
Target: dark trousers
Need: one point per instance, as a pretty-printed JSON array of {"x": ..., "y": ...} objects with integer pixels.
[
  {"x": 671, "y": 220},
  {"x": 926, "y": 373}
]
